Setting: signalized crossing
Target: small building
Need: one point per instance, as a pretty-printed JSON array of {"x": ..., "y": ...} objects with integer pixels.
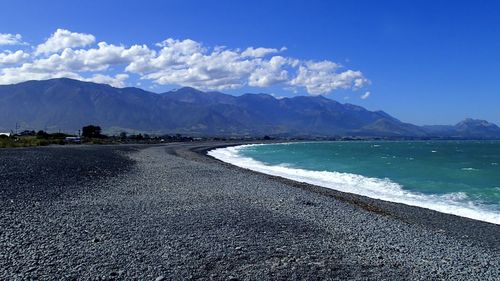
[{"x": 73, "y": 139}]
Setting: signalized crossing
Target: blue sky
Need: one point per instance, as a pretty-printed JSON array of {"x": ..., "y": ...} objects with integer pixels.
[{"x": 425, "y": 62}]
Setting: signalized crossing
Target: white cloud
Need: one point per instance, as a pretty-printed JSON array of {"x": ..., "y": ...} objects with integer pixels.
[
  {"x": 269, "y": 73},
  {"x": 278, "y": 97},
  {"x": 188, "y": 63},
  {"x": 16, "y": 75},
  {"x": 72, "y": 62},
  {"x": 174, "y": 62},
  {"x": 365, "y": 95},
  {"x": 11, "y": 39},
  {"x": 95, "y": 59},
  {"x": 117, "y": 81},
  {"x": 323, "y": 77},
  {"x": 62, "y": 39},
  {"x": 12, "y": 58},
  {"x": 258, "y": 52}
]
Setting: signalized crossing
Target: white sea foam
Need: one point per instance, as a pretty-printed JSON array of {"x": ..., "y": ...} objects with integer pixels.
[
  {"x": 384, "y": 189},
  {"x": 469, "y": 169},
  {"x": 456, "y": 196}
]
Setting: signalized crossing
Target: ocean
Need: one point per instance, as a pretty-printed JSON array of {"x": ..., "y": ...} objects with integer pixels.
[{"x": 455, "y": 177}]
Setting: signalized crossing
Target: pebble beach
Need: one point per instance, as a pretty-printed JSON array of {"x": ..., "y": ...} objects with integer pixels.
[{"x": 170, "y": 212}]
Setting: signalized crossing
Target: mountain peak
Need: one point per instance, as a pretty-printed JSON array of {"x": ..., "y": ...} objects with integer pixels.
[
  {"x": 63, "y": 81},
  {"x": 475, "y": 122},
  {"x": 195, "y": 96}
]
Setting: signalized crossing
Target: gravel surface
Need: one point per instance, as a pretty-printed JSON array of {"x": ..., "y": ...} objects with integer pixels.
[{"x": 170, "y": 213}]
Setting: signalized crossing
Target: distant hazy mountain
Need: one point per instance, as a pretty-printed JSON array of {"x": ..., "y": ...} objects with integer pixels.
[
  {"x": 67, "y": 105},
  {"x": 469, "y": 128}
]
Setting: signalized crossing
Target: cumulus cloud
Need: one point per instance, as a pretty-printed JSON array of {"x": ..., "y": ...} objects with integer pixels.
[
  {"x": 62, "y": 39},
  {"x": 258, "y": 52},
  {"x": 174, "y": 62},
  {"x": 11, "y": 39},
  {"x": 269, "y": 73},
  {"x": 71, "y": 62},
  {"x": 16, "y": 75},
  {"x": 188, "y": 63},
  {"x": 365, "y": 95},
  {"x": 95, "y": 59},
  {"x": 323, "y": 77},
  {"x": 12, "y": 58}
]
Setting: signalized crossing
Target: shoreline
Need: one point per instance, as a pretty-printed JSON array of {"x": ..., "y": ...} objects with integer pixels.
[
  {"x": 172, "y": 212},
  {"x": 458, "y": 226},
  {"x": 316, "y": 177}
]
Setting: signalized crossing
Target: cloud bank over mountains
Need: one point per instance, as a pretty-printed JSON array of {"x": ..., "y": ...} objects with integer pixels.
[{"x": 171, "y": 62}]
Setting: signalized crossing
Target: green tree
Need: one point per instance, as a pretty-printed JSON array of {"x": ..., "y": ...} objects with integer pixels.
[
  {"x": 42, "y": 134},
  {"x": 123, "y": 135},
  {"x": 91, "y": 131}
]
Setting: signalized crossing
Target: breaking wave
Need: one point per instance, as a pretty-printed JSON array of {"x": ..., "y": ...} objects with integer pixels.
[{"x": 452, "y": 203}]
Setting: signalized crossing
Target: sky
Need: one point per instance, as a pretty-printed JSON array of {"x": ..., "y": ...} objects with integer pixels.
[{"x": 424, "y": 62}]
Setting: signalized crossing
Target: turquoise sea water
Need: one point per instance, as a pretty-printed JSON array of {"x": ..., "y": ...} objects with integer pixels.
[{"x": 458, "y": 177}]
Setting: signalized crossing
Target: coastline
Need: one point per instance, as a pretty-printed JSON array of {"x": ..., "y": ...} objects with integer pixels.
[
  {"x": 480, "y": 231},
  {"x": 376, "y": 188},
  {"x": 172, "y": 212}
]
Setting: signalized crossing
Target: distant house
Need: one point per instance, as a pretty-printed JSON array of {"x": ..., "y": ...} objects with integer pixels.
[
  {"x": 5, "y": 134},
  {"x": 73, "y": 139}
]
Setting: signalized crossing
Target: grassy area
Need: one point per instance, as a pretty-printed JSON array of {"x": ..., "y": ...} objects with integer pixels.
[
  {"x": 43, "y": 139},
  {"x": 90, "y": 135},
  {"x": 26, "y": 141}
]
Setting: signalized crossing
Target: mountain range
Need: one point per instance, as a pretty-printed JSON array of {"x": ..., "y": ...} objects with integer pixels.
[{"x": 67, "y": 105}]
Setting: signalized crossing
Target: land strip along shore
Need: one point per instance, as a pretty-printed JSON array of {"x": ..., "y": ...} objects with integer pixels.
[{"x": 123, "y": 212}]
